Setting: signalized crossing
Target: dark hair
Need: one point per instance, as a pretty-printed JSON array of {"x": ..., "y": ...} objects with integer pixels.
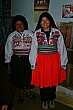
[
  {"x": 19, "y": 18},
  {"x": 49, "y": 17}
]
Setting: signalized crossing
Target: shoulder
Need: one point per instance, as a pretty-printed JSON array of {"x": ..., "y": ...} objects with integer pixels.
[
  {"x": 55, "y": 29},
  {"x": 28, "y": 32},
  {"x": 12, "y": 34},
  {"x": 39, "y": 30}
]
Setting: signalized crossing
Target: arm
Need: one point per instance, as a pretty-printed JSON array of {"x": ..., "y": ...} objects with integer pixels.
[
  {"x": 63, "y": 52},
  {"x": 8, "y": 52},
  {"x": 8, "y": 49},
  {"x": 33, "y": 52}
]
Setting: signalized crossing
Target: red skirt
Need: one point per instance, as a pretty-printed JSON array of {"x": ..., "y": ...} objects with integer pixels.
[{"x": 48, "y": 72}]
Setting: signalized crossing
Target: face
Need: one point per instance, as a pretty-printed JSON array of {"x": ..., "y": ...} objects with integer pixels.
[
  {"x": 19, "y": 26},
  {"x": 45, "y": 23}
]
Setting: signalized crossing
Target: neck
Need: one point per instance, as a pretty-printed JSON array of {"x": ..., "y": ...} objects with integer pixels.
[{"x": 46, "y": 29}]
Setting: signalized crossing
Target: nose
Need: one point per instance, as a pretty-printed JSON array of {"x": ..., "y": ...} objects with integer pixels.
[
  {"x": 45, "y": 21},
  {"x": 20, "y": 25}
]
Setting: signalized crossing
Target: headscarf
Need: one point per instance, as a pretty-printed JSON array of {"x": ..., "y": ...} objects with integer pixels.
[
  {"x": 19, "y": 18},
  {"x": 49, "y": 17}
]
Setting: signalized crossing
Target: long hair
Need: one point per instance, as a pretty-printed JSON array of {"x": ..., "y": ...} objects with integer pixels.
[
  {"x": 19, "y": 18},
  {"x": 49, "y": 17}
]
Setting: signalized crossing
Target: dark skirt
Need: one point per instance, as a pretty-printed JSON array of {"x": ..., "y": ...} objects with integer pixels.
[{"x": 21, "y": 72}]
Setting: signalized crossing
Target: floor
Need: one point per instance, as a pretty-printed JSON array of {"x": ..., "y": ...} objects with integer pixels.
[
  {"x": 35, "y": 104},
  {"x": 62, "y": 102}
]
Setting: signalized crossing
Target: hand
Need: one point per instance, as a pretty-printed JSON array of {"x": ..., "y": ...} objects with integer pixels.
[
  {"x": 62, "y": 68},
  {"x": 35, "y": 67}
]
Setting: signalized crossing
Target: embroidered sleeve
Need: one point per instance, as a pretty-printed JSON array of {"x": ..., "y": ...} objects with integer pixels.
[
  {"x": 33, "y": 51},
  {"x": 8, "y": 49},
  {"x": 62, "y": 50}
]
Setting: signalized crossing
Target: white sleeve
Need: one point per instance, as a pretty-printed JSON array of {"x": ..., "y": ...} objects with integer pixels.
[
  {"x": 8, "y": 49},
  {"x": 33, "y": 52},
  {"x": 62, "y": 50}
]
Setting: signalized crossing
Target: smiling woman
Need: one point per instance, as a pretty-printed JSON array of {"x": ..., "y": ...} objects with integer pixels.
[
  {"x": 17, "y": 52},
  {"x": 49, "y": 59}
]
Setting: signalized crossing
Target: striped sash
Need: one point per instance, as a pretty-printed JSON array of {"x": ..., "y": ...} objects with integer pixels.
[{"x": 47, "y": 49}]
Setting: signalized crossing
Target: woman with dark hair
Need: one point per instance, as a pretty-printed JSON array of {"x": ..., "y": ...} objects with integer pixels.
[
  {"x": 49, "y": 17},
  {"x": 19, "y": 18},
  {"x": 17, "y": 51},
  {"x": 48, "y": 59}
]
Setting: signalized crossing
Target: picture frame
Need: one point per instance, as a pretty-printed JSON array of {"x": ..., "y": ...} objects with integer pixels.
[
  {"x": 39, "y": 7},
  {"x": 67, "y": 11}
]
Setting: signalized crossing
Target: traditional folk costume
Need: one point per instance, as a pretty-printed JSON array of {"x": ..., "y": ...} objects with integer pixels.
[
  {"x": 49, "y": 54},
  {"x": 17, "y": 51}
]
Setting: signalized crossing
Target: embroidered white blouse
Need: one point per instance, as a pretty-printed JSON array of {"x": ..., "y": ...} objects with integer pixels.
[
  {"x": 18, "y": 42},
  {"x": 60, "y": 48}
]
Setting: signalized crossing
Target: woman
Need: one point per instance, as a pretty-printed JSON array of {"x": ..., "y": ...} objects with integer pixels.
[
  {"x": 17, "y": 50},
  {"x": 48, "y": 59}
]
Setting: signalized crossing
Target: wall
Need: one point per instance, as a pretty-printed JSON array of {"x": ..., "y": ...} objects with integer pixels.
[
  {"x": 25, "y": 8},
  {"x": 0, "y": 7},
  {"x": 56, "y": 10}
]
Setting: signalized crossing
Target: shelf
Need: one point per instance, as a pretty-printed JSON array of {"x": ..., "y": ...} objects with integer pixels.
[{"x": 69, "y": 49}]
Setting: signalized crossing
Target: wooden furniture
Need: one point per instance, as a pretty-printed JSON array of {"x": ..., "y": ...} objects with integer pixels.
[{"x": 67, "y": 31}]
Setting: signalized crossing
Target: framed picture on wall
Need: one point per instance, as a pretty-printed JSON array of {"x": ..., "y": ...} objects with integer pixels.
[
  {"x": 39, "y": 7},
  {"x": 67, "y": 11}
]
